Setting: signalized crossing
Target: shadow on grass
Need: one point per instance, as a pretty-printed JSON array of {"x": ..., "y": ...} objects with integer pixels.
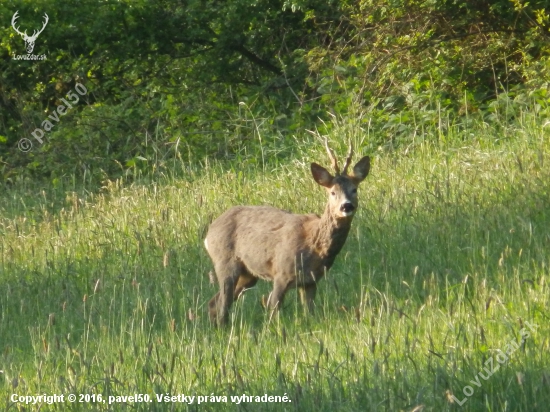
[{"x": 474, "y": 259}]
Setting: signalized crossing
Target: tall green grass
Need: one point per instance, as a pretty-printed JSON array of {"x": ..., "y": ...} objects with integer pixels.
[{"x": 105, "y": 291}]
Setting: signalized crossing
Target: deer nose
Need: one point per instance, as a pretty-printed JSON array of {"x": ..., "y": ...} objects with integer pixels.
[{"x": 347, "y": 207}]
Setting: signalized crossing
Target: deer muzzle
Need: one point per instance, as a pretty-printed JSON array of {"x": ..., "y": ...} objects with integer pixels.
[{"x": 347, "y": 208}]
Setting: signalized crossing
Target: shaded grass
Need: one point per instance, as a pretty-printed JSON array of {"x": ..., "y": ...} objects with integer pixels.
[{"x": 105, "y": 292}]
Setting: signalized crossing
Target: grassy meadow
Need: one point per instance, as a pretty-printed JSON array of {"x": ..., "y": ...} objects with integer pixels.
[{"x": 105, "y": 291}]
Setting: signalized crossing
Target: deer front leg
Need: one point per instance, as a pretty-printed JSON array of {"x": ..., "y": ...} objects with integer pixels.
[
  {"x": 276, "y": 296},
  {"x": 307, "y": 295}
]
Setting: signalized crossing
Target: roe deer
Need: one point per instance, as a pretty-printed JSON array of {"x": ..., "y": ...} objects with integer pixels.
[{"x": 247, "y": 243}]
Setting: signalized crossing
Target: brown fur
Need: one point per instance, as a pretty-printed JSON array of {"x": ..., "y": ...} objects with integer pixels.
[{"x": 247, "y": 243}]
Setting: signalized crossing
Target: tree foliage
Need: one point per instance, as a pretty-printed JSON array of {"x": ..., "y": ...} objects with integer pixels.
[{"x": 171, "y": 78}]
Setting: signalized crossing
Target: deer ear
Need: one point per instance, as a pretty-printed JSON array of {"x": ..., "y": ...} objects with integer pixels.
[
  {"x": 321, "y": 175},
  {"x": 361, "y": 169}
]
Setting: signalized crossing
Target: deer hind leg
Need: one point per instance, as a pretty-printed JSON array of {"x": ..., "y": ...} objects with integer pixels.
[
  {"x": 307, "y": 295},
  {"x": 218, "y": 307}
]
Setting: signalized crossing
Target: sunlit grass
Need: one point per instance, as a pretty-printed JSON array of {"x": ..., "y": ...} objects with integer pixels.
[{"x": 105, "y": 292}]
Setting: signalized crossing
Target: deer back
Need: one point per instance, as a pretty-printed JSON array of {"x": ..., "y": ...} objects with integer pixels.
[{"x": 264, "y": 239}]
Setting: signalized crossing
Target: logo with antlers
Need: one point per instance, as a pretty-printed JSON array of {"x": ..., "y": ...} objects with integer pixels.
[{"x": 29, "y": 40}]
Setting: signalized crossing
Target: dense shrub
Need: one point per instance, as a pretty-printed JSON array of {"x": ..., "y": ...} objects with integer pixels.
[{"x": 168, "y": 79}]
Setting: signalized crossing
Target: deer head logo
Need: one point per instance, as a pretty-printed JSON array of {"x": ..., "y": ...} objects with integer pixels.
[{"x": 29, "y": 40}]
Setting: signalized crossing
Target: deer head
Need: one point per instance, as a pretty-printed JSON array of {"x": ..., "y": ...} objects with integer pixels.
[
  {"x": 342, "y": 187},
  {"x": 29, "y": 40}
]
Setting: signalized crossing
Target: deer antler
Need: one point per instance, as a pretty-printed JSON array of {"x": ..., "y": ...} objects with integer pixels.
[
  {"x": 25, "y": 35},
  {"x": 332, "y": 158},
  {"x": 13, "y": 21},
  {"x": 348, "y": 159},
  {"x": 29, "y": 40},
  {"x": 36, "y": 33}
]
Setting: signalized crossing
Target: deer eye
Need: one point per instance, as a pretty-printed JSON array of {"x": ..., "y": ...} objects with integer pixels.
[
  {"x": 333, "y": 193},
  {"x": 354, "y": 191}
]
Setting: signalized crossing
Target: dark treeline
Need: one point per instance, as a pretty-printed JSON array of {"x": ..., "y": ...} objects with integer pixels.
[{"x": 169, "y": 77}]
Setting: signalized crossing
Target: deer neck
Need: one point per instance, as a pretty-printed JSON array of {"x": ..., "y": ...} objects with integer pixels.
[{"x": 330, "y": 236}]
